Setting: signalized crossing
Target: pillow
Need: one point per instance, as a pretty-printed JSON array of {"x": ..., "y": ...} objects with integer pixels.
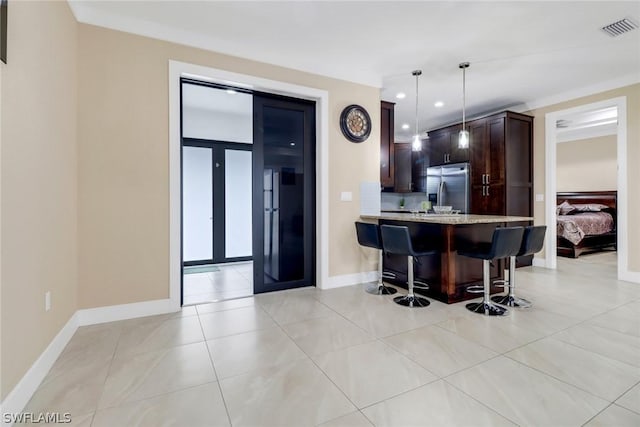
[
  {"x": 590, "y": 207},
  {"x": 565, "y": 208}
]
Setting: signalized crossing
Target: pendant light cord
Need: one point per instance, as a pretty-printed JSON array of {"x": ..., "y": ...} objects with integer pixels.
[
  {"x": 464, "y": 66},
  {"x": 464, "y": 95},
  {"x": 417, "y": 132}
]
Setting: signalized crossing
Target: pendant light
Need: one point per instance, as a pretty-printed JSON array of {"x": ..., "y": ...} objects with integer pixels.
[
  {"x": 463, "y": 136},
  {"x": 416, "y": 144}
]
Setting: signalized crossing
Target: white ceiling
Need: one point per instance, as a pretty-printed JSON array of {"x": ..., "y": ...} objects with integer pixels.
[{"x": 521, "y": 53}]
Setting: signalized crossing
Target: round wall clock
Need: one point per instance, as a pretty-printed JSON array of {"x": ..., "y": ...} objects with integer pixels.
[{"x": 355, "y": 123}]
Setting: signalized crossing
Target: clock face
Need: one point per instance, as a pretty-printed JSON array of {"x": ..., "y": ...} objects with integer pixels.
[{"x": 355, "y": 123}]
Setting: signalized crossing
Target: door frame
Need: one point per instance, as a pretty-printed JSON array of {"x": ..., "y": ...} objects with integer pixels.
[
  {"x": 177, "y": 70},
  {"x": 551, "y": 182}
]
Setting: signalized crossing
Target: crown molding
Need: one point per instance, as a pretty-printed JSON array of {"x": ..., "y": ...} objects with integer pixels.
[{"x": 86, "y": 14}]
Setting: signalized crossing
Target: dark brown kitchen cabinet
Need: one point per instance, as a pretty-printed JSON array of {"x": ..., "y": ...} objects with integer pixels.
[
  {"x": 387, "y": 154},
  {"x": 501, "y": 164},
  {"x": 443, "y": 147},
  {"x": 419, "y": 167},
  {"x": 403, "y": 162}
]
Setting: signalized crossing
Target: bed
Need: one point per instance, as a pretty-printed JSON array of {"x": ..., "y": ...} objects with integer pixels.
[{"x": 586, "y": 222}]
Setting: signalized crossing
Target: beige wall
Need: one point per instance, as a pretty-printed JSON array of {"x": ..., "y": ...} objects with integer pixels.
[
  {"x": 587, "y": 164},
  {"x": 123, "y": 162},
  {"x": 39, "y": 182},
  {"x": 632, "y": 93}
]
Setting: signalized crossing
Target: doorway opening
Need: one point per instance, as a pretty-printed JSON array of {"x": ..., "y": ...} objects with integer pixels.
[
  {"x": 598, "y": 131},
  {"x": 586, "y": 182},
  {"x": 238, "y": 147}
]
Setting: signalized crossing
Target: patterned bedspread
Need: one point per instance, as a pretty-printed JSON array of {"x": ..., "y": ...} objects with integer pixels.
[{"x": 575, "y": 227}]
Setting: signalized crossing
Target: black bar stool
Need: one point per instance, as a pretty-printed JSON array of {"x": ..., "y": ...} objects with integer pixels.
[
  {"x": 396, "y": 240},
  {"x": 504, "y": 243},
  {"x": 532, "y": 241},
  {"x": 369, "y": 236}
]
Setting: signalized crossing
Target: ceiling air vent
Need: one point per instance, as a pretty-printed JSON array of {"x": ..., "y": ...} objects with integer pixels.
[{"x": 620, "y": 27}]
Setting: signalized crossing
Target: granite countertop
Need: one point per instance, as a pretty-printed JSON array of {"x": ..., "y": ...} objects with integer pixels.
[{"x": 459, "y": 219}]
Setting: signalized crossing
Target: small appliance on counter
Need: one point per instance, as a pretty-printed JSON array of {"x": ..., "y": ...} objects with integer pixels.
[{"x": 448, "y": 185}]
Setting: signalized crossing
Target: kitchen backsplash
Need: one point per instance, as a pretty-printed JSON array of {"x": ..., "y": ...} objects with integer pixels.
[{"x": 391, "y": 201}]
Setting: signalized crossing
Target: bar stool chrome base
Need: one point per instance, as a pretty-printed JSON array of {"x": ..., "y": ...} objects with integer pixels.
[
  {"x": 487, "y": 308},
  {"x": 380, "y": 289},
  {"x": 412, "y": 301},
  {"x": 511, "y": 301}
]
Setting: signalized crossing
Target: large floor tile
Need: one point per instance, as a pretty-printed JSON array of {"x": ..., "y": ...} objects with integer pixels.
[
  {"x": 200, "y": 406},
  {"x": 293, "y": 307},
  {"x": 438, "y": 350},
  {"x": 230, "y": 322},
  {"x": 75, "y": 390},
  {"x": 615, "y": 416},
  {"x": 351, "y": 298},
  {"x": 597, "y": 374},
  {"x": 241, "y": 353},
  {"x": 435, "y": 404},
  {"x": 526, "y": 396},
  {"x": 625, "y": 319},
  {"x": 354, "y": 419},
  {"x": 539, "y": 320},
  {"x": 496, "y": 333},
  {"x": 298, "y": 394},
  {"x": 615, "y": 345},
  {"x": 631, "y": 399},
  {"x": 90, "y": 347},
  {"x": 158, "y": 335},
  {"x": 225, "y": 305},
  {"x": 372, "y": 372},
  {"x": 392, "y": 319},
  {"x": 317, "y": 336},
  {"x": 151, "y": 374}
]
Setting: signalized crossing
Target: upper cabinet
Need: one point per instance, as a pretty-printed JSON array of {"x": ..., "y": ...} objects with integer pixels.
[
  {"x": 500, "y": 159},
  {"x": 387, "y": 152},
  {"x": 403, "y": 178},
  {"x": 443, "y": 147},
  {"x": 501, "y": 164}
]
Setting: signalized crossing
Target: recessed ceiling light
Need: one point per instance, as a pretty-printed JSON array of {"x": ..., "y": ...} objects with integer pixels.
[
  {"x": 405, "y": 126},
  {"x": 231, "y": 92},
  {"x": 292, "y": 144},
  {"x": 439, "y": 104},
  {"x": 401, "y": 95}
]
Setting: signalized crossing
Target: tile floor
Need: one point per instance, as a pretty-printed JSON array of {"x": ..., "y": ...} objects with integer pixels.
[
  {"x": 228, "y": 281},
  {"x": 343, "y": 357}
]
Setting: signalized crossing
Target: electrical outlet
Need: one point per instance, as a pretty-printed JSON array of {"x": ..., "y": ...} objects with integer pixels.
[
  {"x": 346, "y": 196},
  {"x": 539, "y": 197},
  {"x": 47, "y": 301}
]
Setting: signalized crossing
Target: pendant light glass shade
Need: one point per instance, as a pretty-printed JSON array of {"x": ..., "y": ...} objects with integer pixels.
[
  {"x": 463, "y": 139},
  {"x": 416, "y": 145},
  {"x": 463, "y": 136}
]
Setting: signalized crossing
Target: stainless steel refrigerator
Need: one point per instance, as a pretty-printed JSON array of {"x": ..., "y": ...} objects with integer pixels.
[{"x": 448, "y": 185}]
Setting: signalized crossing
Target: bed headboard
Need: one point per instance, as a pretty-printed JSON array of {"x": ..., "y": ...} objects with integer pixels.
[{"x": 608, "y": 198}]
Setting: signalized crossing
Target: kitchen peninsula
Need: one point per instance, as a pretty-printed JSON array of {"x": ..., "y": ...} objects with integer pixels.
[{"x": 449, "y": 274}]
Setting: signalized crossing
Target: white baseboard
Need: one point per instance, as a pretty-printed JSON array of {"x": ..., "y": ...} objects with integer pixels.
[
  {"x": 351, "y": 279},
  {"x": 21, "y": 393},
  {"x": 630, "y": 276},
  {"x": 16, "y": 400},
  {"x": 112, "y": 313},
  {"x": 539, "y": 262}
]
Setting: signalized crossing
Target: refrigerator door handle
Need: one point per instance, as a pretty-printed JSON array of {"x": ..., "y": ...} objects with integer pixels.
[
  {"x": 487, "y": 190},
  {"x": 488, "y": 178}
]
